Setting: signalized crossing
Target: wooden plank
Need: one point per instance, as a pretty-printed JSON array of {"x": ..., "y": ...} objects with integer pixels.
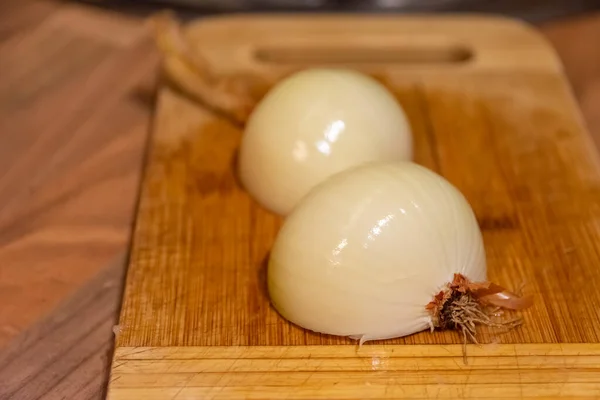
[
  {"x": 66, "y": 355},
  {"x": 181, "y": 209},
  {"x": 177, "y": 214},
  {"x": 582, "y": 62},
  {"x": 349, "y": 372},
  {"x": 74, "y": 123},
  {"x": 330, "y": 378},
  {"x": 437, "y": 391},
  {"x": 25, "y": 15},
  {"x": 573, "y": 40},
  {"x": 352, "y": 351},
  {"x": 503, "y": 127}
]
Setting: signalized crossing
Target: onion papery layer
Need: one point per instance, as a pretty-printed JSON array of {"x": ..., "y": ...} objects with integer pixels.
[{"x": 463, "y": 305}]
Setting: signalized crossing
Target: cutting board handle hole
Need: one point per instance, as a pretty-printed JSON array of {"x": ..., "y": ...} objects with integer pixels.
[{"x": 453, "y": 54}]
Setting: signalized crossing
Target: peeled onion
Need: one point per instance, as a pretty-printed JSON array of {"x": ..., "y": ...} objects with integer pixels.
[
  {"x": 314, "y": 124},
  {"x": 367, "y": 250}
]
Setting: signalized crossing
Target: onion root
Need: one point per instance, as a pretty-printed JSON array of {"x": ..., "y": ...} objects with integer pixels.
[{"x": 463, "y": 305}]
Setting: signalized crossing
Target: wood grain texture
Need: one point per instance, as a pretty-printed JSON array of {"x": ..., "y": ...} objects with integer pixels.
[
  {"x": 193, "y": 217},
  {"x": 503, "y": 128},
  {"x": 574, "y": 40},
  {"x": 66, "y": 354},
  {"x": 73, "y": 123},
  {"x": 345, "y": 372},
  {"x": 582, "y": 62}
]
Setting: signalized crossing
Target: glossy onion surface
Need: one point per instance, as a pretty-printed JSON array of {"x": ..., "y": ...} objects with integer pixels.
[
  {"x": 366, "y": 250},
  {"x": 316, "y": 123}
]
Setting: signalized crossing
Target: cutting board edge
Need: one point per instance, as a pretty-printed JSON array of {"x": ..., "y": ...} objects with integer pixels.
[
  {"x": 351, "y": 351},
  {"x": 350, "y": 372}
]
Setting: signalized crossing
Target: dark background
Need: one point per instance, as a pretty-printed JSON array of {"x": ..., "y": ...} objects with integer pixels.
[{"x": 531, "y": 10}]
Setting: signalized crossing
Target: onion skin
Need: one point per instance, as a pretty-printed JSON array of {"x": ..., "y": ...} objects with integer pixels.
[
  {"x": 316, "y": 123},
  {"x": 365, "y": 252}
]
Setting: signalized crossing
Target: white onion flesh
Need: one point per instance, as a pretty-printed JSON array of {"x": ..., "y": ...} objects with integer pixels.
[
  {"x": 314, "y": 124},
  {"x": 367, "y": 250}
]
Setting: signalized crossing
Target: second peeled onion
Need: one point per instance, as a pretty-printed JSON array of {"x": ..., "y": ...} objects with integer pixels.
[{"x": 314, "y": 124}]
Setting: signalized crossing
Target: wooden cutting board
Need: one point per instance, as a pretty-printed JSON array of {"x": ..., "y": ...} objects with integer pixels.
[{"x": 491, "y": 111}]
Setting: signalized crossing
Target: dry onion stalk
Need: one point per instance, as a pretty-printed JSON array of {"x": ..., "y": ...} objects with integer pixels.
[{"x": 233, "y": 95}]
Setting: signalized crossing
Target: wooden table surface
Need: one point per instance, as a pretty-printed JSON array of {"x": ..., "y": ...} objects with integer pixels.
[{"x": 76, "y": 95}]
